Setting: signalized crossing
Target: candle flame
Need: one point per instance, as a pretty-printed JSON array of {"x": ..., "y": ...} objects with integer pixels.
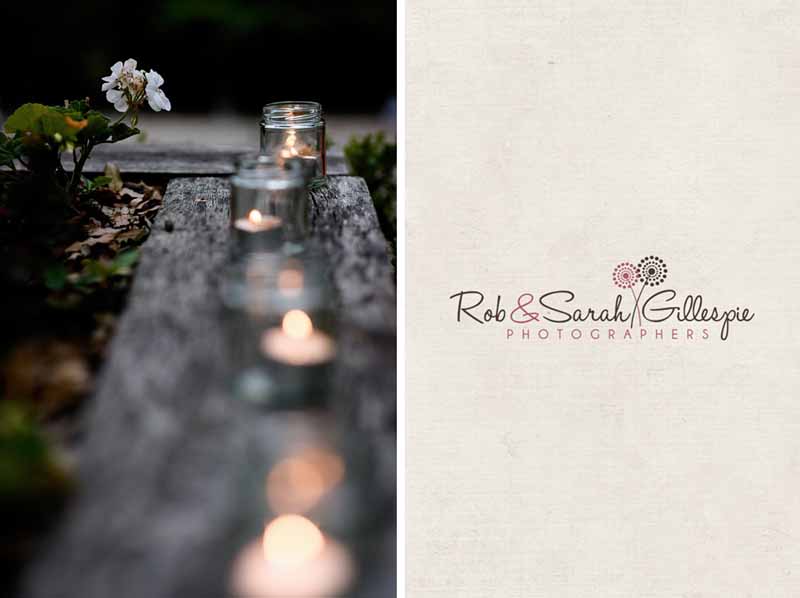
[
  {"x": 297, "y": 324},
  {"x": 254, "y": 216},
  {"x": 292, "y": 540}
]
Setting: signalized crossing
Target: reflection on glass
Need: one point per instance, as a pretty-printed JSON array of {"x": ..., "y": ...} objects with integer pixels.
[{"x": 297, "y": 483}]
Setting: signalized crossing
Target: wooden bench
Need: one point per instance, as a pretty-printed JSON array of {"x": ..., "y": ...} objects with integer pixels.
[{"x": 161, "y": 506}]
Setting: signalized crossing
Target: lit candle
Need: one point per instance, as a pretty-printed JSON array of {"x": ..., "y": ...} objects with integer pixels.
[
  {"x": 256, "y": 222},
  {"x": 297, "y": 343},
  {"x": 293, "y": 560}
]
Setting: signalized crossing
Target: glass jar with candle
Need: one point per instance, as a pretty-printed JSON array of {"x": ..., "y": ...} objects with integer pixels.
[
  {"x": 294, "y": 131},
  {"x": 317, "y": 470},
  {"x": 293, "y": 558},
  {"x": 282, "y": 329},
  {"x": 302, "y": 479},
  {"x": 269, "y": 206}
]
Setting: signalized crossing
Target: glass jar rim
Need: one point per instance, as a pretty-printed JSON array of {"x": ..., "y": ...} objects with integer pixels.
[
  {"x": 254, "y": 284},
  {"x": 292, "y": 115},
  {"x": 263, "y": 172}
]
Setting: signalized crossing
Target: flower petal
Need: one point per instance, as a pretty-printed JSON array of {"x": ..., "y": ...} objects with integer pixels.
[
  {"x": 154, "y": 79},
  {"x": 165, "y": 103},
  {"x": 130, "y": 65},
  {"x": 158, "y": 101},
  {"x": 121, "y": 105}
]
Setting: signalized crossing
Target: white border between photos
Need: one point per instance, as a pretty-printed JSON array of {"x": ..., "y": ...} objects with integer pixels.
[{"x": 401, "y": 298}]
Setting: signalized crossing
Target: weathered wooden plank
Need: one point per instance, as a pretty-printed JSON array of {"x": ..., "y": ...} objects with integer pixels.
[
  {"x": 163, "y": 501},
  {"x": 166, "y": 160}
]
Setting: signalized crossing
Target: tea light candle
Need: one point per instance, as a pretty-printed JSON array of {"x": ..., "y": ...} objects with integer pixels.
[
  {"x": 293, "y": 560},
  {"x": 256, "y": 222},
  {"x": 296, "y": 342}
]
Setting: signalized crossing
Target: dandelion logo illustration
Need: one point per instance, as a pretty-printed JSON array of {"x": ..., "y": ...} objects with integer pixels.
[
  {"x": 625, "y": 275},
  {"x": 651, "y": 271}
]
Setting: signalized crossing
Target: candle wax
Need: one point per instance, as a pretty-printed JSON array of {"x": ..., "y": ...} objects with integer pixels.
[
  {"x": 314, "y": 349},
  {"x": 326, "y": 574},
  {"x": 266, "y": 223}
]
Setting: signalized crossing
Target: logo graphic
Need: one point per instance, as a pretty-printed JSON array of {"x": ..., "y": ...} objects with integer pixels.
[
  {"x": 658, "y": 312},
  {"x": 651, "y": 271}
]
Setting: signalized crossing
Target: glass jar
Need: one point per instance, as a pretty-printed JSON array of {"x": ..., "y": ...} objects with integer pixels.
[
  {"x": 269, "y": 206},
  {"x": 301, "y": 498},
  {"x": 294, "y": 131},
  {"x": 282, "y": 333}
]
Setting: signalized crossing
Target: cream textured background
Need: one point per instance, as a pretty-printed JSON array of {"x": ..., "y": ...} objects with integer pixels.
[{"x": 546, "y": 142}]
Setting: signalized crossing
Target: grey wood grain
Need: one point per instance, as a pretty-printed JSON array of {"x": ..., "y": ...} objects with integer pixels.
[
  {"x": 135, "y": 159},
  {"x": 169, "y": 456}
]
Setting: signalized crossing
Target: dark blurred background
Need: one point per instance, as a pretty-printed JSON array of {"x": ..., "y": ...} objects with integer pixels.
[{"x": 220, "y": 59}]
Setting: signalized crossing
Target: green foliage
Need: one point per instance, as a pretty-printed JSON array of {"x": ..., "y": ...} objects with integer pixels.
[
  {"x": 121, "y": 132},
  {"x": 10, "y": 150},
  {"x": 101, "y": 271},
  {"x": 42, "y": 133},
  {"x": 98, "y": 182},
  {"x": 375, "y": 160},
  {"x": 240, "y": 16},
  {"x": 28, "y": 470},
  {"x": 95, "y": 273},
  {"x": 55, "y": 277},
  {"x": 26, "y": 118}
]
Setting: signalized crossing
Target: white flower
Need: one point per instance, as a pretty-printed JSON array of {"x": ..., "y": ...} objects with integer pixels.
[
  {"x": 126, "y": 87},
  {"x": 155, "y": 97},
  {"x": 111, "y": 80},
  {"x": 118, "y": 98},
  {"x": 123, "y": 84}
]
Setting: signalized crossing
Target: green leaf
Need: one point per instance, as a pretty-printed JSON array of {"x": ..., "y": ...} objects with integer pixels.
[
  {"x": 96, "y": 183},
  {"x": 124, "y": 261},
  {"x": 121, "y": 131},
  {"x": 97, "y": 128},
  {"x": 9, "y": 150},
  {"x": 26, "y": 118},
  {"x": 100, "y": 181},
  {"x": 375, "y": 160},
  {"x": 55, "y": 122},
  {"x": 29, "y": 471},
  {"x": 55, "y": 277},
  {"x": 94, "y": 271},
  {"x": 51, "y": 121},
  {"x": 81, "y": 106}
]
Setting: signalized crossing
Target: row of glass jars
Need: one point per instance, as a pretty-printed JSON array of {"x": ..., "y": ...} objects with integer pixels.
[{"x": 283, "y": 342}]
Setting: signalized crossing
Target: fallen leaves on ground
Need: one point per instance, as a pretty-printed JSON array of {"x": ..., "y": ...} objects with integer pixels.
[
  {"x": 119, "y": 219},
  {"x": 53, "y": 375}
]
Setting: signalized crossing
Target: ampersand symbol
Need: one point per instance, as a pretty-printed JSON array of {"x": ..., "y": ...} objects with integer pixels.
[{"x": 526, "y": 316}]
